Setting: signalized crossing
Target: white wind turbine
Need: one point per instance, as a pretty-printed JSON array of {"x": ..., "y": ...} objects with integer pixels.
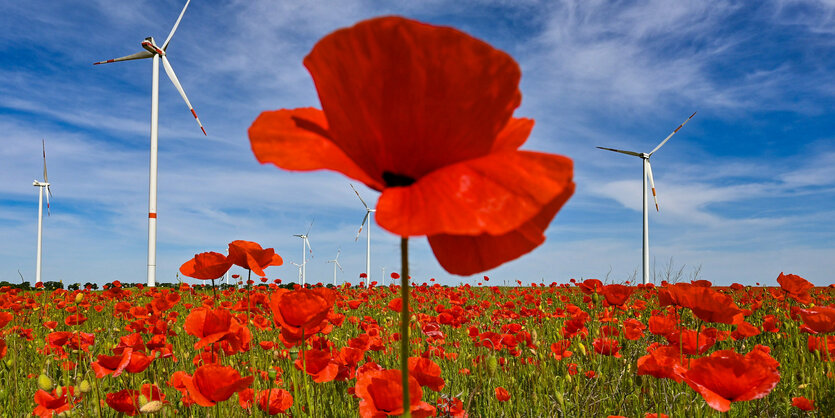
[
  {"x": 336, "y": 264},
  {"x": 368, "y": 236},
  {"x": 156, "y": 53},
  {"x": 41, "y": 184},
  {"x": 299, "y": 266},
  {"x": 648, "y": 173},
  {"x": 305, "y": 249}
]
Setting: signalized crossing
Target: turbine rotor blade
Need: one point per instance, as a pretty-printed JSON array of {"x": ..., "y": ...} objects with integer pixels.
[
  {"x": 48, "y": 210},
  {"x": 652, "y": 184},
  {"x": 173, "y": 77},
  {"x": 310, "y": 227},
  {"x": 43, "y": 148},
  {"x": 362, "y": 225},
  {"x": 637, "y": 154},
  {"x": 174, "y": 29},
  {"x": 672, "y": 133},
  {"x": 137, "y": 56},
  {"x": 358, "y": 195}
]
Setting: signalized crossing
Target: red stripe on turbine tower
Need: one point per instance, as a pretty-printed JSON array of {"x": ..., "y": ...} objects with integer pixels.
[{"x": 152, "y": 215}]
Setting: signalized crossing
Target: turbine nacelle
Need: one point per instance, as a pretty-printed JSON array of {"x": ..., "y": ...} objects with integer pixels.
[{"x": 149, "y": 45}]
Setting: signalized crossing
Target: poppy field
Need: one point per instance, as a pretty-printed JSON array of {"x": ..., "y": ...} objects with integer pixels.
[{"x": 582, "y": 348}]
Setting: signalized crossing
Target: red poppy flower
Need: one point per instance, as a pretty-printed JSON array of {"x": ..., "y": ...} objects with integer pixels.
[
  {"x": 112, "y": 365},
  {"x": 381, "y": 394},
  {"x": 50, "y": 404},
  {"x": 5, "y": 318},
  {"x": 427, "y": 373},
  {"x": 3, "y": 348},
  {"x": 211, "y": 326},
  {"x": 214, "y": 383},
  {"x": 706, "y": 303},
  {"x": 823, "y": 344},
  {"x": 633, "y": 329},
  {"x": 319, "y": 364},
  {"x": 127, "y": 402},
  {"x": 75, "y": 319},
  {"x": 803, "y": 403},
  {"x": 423, "y": 114},
  {"x": 660, "y": 362},
  {"x": 559, "y": 349},
  {"x": 251, "y": 256},
  {"x": 206, "y": 266},
  {"x": 302, "y": 311},
  {"x": 745, "y": 330},
  {"x": 607, "y": 347},
  {"x": 616, "y": 294},
  {"x": 820, "y": 319},
  {"x": 502, "y": 395},
  {"x": 796, "y": 287},
  {"x": 274, "y": 401},
  {"x": 727, "y": 376}
]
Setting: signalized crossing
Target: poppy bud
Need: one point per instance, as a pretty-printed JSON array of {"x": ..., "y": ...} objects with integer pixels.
[
  {"x": 58, "y": 391},
  {"x": 143, "y": 400},
  {"x": 582, "y": 348},
  {"x": 44, "y": 383},
  {"x": 492, "y": 364},
  {"x": 79, "y": 297},
  {"x": 560, "y": 399},
  {"x": 9, "y": 363},
  {"x": 151, "y": 407},
  {"x": 84, "y": 386},
  {"x": 272, "y": 374},
  {"x": 595, "y": 297}
]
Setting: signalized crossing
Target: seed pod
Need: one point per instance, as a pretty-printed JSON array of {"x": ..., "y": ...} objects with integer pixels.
[
  {"x": 272, "y": 373},
  {"x": 44, "y": 383},
  {"x": 79, "y": 297},
  {"x": 151, "y": 407},
  {"x": 492, "y": 364},
  {"x": 84, "y": 386}
]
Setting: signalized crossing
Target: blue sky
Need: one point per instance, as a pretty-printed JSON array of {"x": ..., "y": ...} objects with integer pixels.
[{"x": 746, "y": 189}]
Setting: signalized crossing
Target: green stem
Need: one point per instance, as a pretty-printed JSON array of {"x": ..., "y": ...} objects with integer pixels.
[{"x": 404, "y": 324}]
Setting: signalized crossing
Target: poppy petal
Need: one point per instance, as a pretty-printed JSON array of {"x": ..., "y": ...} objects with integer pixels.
[
  {"x": 514, "y": 134},
  {"x": 408, "y": 98},
  {"x": 490, "y": 195},
  {"x": 298, "y": 139},
  {"x": 466, "y": 255}
]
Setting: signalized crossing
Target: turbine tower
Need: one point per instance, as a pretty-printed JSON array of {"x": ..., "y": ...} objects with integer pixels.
[
  {"x": 156, "y": 53},
  {"x": 368, "y": 237},
  {"x": 305, "y": 249},
  {"x": 336, "y": 264},
  {"x": 644, "y": 156},
  {"x": 41, "y": 185}
]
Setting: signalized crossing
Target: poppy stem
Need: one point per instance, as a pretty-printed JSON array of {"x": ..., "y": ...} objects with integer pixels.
[{"x": 404, "y": 323}]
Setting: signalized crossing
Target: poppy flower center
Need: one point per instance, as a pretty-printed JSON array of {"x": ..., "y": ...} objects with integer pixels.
[{"x": 397, "y": 180}]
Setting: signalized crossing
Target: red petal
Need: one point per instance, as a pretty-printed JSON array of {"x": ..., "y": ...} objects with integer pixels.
[
  {"x": 466, "y": 255},
  {"x": 298, "y": 139},
  {"x": 492, "y": 195},
  {"x": 514, "y": 134},
  {"x": 408, "y": 98}
]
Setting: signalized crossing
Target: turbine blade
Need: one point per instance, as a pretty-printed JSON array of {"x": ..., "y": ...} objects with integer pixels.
[
  {"x": 362, "y": 225},
  {"x": 358, "y": 195},
  {"x": 672, "y": 133},
  {"x": 311, "y": 226},
  {"x": 652, "y": 184},
  {"x": 48, "y": 192},
  {"x": 637, "y": 154},
  {"x": 309, "y": 249},
  {"x": 137, "y": 56},
  {"x": 43, "y": 148},
  {"x": 174, "y": 29},
  {"x": 173, "y": 77}
]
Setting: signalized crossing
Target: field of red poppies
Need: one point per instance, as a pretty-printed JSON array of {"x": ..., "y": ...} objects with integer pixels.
[{"x": 263, "y": 348}]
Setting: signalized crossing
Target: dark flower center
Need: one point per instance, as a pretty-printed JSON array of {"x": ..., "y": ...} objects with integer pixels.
[{"x": 397, "y": 180}]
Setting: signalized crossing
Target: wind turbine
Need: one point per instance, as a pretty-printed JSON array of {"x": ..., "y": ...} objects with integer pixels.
[
  {"x": 299, "y": 266},
  {"x": 644, "y": 156},
  {"x": 336, "y": 264},
  {"x": 151, "y": 50},
  {"x": 368, "y": 236},
  {"x": 305, "y": 248},
  {"x": 41, "y": 184}
]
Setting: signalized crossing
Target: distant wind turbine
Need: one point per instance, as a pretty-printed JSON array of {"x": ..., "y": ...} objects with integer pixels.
[
  {"x": 41, "y": 185},
  {"x": 299, "y": 266},
  {"x": 336, "y": 264},
  {"x": 156, "y": 53},
  {"x": 648, "y": 173},
  {"x": 368, "y": 236},
  {"x": 305, "y": 249}
]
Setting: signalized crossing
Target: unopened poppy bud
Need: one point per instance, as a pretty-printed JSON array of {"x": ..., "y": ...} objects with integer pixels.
[
  {"x": 151, "y": 407},
  {"x": 492, "y": 364},
  {"x": 143, "y": 400},
  {"x": 84, "y": 386},
  {"x": 272, "y": 374},
  {"x": 595, "y": 297},
  {"x": 560, "y": 399},
  {"x": 10, "y": 363},
  {"x": 58, "y": 391},
  {"x": 44, "y": 383},
  {"x": 79, "y": 297},
  {"x": 803, "y": 386},
  {"x": 582, "y": 348}
]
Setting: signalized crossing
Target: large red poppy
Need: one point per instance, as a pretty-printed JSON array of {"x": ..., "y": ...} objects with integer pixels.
[
  {"x": 302, "y": 311},
  {"x": 424, "y": 114},
  {"x": 796, "y": 287},
  {"x": 50, "y": 404},
  {"x": 251, "y": 256},
  {"x": 706, "y": 303},
  {"x": 213, "y": 325},
  {"x": 206, "y": 266},
  {"x": 820, "y": 319},
  {"x": 427, "y": 373},
  {"x": 727, "y": 376},
  {"x": 112, "y": 365},
  {"x": 381, "y": 392},
  {"x": 274, "y": 401},
  {"x": 214, "y": 383}
]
